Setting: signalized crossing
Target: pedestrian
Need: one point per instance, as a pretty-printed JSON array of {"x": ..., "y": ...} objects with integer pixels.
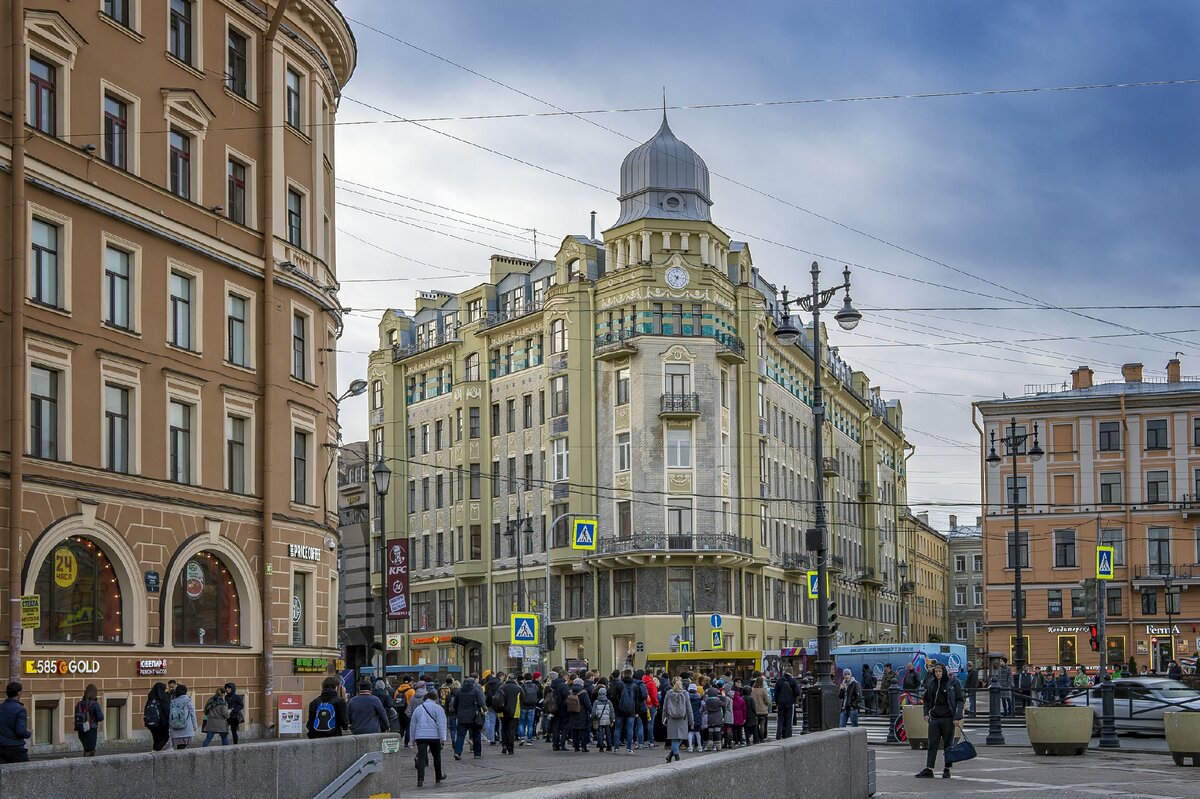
[
  {"x": 579, "y": 712},
  {"x": 384, "y": 695},
  {"x": 870, "y": 696},
  {"x": 531, "y": 697},
  {"x": 677, "y": 710},
  {"x": 1174, "y": 670},
  {"x": 1063, "y": 683},
  {"x": 750, "y": 726},
  {"x": 508, "y": 710},
  {"x": 14, "y": 726},
  {"x": 1003, "y": 678},
  {"x": 428, "y": 728},
  {"x": 88, "y": 716},
  {"x": 183, "y": 718},
  {"x": 448, "y": 698},
  {"x": 553, "y": 697},
  {"x": 850, "y": 697},
  {"x": 366, "y": 713},
  {"x": 401, "y": 700},
  {"x": 972, "y": 687},
  {"x": 943, "y": 707},
  {"x": 714, "y": 707},
  {"x": 216, "y": 718},
  {"x": 469, "y": 710},
  {"x": 786, "y": 691},
  {"x": 603, "y": 716},
  {"x": 651, "y": 686},
  {"x": 491, "y": 684},
  {"x": 694, "y": 730},
  {"x": 627, "y": 702},
  {"x": 156, "y": 715},
  {"x": 327, "y": 713},
  {"x": 762, "y": 707},
  {"x": 237, "y": 709},
  {"x": 739, "y": 714}
]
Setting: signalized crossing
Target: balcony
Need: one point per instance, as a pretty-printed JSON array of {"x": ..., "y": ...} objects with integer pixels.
[
  {"x": 869, "y": 576},
  {"x": 497, "y": 318},
  {"x": 724, "y": 548},
  {"x": 1156, "y": 573},
  {"x": 612, "y": 346},
  {"x": 730, "y": 349},
  {"x": 401, "y": 352},
  {"x": 1189, "y": 505},
  {"x": 794, "y": 561},
  {"x": 837, "y": 563},
  {"x": 679, "y": 406},
  {"x": 864, "y": 489},
  {"x": 830, "y": 467},
  {"x": 470, "y": 570}
]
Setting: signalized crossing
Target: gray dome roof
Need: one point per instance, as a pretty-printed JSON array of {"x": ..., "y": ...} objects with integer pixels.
[{"x": 664, "y": 178}]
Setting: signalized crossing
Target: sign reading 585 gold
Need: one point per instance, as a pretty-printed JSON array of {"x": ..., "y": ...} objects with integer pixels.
[{"x": 60, "y": 667}]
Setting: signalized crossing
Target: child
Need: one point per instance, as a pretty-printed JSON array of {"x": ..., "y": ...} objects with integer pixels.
[{"x": 603, "y": 717}]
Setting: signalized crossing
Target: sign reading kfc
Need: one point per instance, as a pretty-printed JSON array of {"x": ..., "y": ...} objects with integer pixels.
[{"x": 397, "y": 579}]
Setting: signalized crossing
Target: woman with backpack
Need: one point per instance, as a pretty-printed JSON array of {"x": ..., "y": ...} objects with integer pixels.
[
  {"x": 216, "y": 718},
  {"x": 88, "y": 716},
  {"x": 694, "y": 734},
  {"x": 579, "y": 710},
  {"x": 677, "y": 712},
  {"x": 156, "y": 715},
  {"x": 183, "y": 718},
  {"x": 603, "y": 715}
]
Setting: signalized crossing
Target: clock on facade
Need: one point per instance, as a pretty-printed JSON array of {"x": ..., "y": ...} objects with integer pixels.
[{"x": 677, "y": 277}]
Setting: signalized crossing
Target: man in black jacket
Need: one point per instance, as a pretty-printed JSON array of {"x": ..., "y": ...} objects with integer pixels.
[
  {"x": 972, "y": 687},
  {"x": 787, "y": 690},
  {"x": 327, "y": 713},
  {"x": 943, "y": 707},
  {"x": 511, "y": 692},
  {"x": 558, "y": 728}
]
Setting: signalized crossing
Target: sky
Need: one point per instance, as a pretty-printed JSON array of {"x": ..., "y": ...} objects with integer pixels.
[{"x": 956, "y": 213}]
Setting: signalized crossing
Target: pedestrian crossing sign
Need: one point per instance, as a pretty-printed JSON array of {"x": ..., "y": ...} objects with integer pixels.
[
  {"x": 1104, "y": 562},
  {"x": 584, "y": 534},
  {"x": 523, "y": 629},
  {"x": 685, "y": 646},
  {"x": 718, "y": 639},
  {"x": 814, "y": 591}
]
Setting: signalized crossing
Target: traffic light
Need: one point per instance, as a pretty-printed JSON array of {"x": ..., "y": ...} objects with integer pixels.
[
  {"x": 1094, "y": 641},
  {"x": 833, "y": 617},
  {"x": 549, "y": 637}
]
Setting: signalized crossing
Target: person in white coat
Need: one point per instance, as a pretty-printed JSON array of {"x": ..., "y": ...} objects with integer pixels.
[
  {"x": 182, "y": 718},
  {"x": 427, "y": 726}
]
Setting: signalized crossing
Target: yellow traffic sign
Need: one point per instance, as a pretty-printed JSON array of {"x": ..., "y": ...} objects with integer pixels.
[
  {"x": 583, "y": 534},
  {"x": 523, "y": 629},
  {"x": 685, "y": 646},
  {"x": 1105, "y": 562},
  {"x": 718, "y": 639},
  {"x": 814, "y": 592}
]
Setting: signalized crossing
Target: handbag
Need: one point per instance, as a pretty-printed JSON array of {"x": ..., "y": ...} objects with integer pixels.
[{"x": 963, "y": 750}]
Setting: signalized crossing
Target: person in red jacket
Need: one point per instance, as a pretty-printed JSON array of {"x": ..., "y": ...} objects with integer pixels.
[{"x": 651, "y": 705}]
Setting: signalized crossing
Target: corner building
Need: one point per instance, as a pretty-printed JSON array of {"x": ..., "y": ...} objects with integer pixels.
[
  {"x": 169, "y": 313},
  {"x": 634, "y": 379}
]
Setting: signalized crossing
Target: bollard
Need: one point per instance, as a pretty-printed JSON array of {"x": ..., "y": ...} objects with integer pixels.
[
  {"x": 1108, "y": 729},
  {"x": 894, "y": 712},
  {"x": 995, "y": 735}
]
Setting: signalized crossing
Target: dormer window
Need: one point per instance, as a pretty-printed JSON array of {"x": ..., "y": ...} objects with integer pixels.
[{"x": 673, "y": 202}]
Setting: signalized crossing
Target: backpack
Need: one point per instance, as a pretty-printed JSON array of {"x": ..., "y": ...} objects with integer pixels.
[
  {"x": 573, "y": 705},
  {"x": 498, "y": 701},
  {"x": 325, "y": 719},
  {"x": 785, "y": 692},
  {"x": 83, "y": 716},
  {"x": 529, "y": 695},
  {"x": 626, "y": 705},
  {"x": 713, "y": 703},
  {"x": 179, "y": 715},
  {"x": 152, "y": 715},
  {"x": 550, "y": 705},
  {"x": 676, "y": 706},
  {"x": 401, "y": 702}
]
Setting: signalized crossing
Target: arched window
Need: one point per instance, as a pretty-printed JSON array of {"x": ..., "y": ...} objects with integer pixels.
[
  {"x": 205, "y": 603},
  {"x": 81, "y": 598},
  {"x": 471, "y": 367},
  {"x": 558, "y": 336}
]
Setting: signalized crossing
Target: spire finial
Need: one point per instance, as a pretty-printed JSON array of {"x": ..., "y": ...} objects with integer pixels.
[{"x": 664, "y": 103}]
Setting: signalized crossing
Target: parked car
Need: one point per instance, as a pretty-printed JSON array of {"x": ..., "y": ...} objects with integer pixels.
[{"x": 1139, "y": 703}]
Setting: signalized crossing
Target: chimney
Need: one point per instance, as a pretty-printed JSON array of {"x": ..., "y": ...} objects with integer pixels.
[
  {"x": 1082, "y": 377},
  {"x": 924, "y": 517},
  {"x": 1173, "y": 370},
  {"x": 1132, "y": 372},
  {"x": 953, "y": 522},
  {"x": 979, "y": 521}
]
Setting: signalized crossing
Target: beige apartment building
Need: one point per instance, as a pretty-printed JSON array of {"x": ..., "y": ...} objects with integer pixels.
[
  {"x": 1121, "y": 468},
  {"x": 923, "y": 589},
  {"x": 169, "y": 313}
]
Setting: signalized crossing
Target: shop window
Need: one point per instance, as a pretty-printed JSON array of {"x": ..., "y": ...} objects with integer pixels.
[
  {"x": 114, "y": 719},
  {"x": 81, "y": 597},
  {"x": 45, "y": 719},
  {"x": 205, "y": 607},
  {"x": 1067, "y": 654}
]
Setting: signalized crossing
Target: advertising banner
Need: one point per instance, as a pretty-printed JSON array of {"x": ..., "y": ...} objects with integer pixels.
[{"x": 397, "y": 579}]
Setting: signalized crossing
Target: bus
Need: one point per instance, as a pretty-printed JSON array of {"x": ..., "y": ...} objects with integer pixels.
[
  {"x": 743, "y": 663},
  {"x": 921, "y": 655}
]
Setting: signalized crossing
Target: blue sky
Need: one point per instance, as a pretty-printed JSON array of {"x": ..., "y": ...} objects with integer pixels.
[{"x": 1068, "y": 198}]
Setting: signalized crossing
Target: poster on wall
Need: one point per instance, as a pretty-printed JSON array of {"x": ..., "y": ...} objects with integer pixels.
[{"x": 397, "y": 579}]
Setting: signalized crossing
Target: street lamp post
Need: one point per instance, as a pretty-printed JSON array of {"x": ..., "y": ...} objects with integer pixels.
[
  {"x": 905, "y": 590},
  {"x": 788, "y": 333},
  {"x": 1168, "y": 581},
  {"x": 1013, "y": 443},
  {"x": 382, "y": 476}
]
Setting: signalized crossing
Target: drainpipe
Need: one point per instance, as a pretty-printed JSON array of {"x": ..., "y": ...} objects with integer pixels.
[
  {"x": 16, "y": 366},
  {"x": 268, "y": 381},
  {"x": 1127, "y": 485}
]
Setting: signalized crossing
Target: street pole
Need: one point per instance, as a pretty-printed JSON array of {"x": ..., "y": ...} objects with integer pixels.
[
  {"x": 1167, "y": 581},
  {"x": 549, "y": 619},
  {"x": 382, "y": 477}
]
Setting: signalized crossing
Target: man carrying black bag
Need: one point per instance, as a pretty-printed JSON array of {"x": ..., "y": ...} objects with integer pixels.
[{"x": 943, "y": 706}]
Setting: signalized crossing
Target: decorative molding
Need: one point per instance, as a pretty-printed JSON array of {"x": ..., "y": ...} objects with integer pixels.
[{"x": 678, "y": 352}]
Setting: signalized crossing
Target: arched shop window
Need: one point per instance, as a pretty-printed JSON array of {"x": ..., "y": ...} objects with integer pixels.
[
  {"x": 205, "y": 604},
  {"x": 81, "y": 597}
]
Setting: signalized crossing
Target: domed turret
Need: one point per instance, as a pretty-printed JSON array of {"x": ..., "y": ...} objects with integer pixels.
[{"x": 664, "y": 179}]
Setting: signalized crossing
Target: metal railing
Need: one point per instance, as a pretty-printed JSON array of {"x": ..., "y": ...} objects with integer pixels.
[
  {"x": 679, "y": 403},
  {"x": 403, "y": 351},
  {"x": 508, "y": 314},
  {"x": 675, "y": 542},
  {"x": 1157, "y": 571},
  {"x": 618, "y": 338},
  {"x": 1189, "y": 502}
]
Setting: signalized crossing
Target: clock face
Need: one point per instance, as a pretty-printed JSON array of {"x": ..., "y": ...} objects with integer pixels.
[{"x": 677, "y": 277}]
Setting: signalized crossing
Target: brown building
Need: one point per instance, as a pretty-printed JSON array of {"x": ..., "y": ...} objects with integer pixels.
[
  {"x": 163, "y": 473},
  {"x": 1121, "y": 468}
]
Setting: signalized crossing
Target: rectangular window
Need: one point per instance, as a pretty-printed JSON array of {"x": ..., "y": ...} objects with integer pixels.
[
  {"x": 624, "y": 585},
  {"x": 527, "y": 410},
  {"x": 299, "y": 346},
  {"x": 1156, "y": 434},
  {"x": 43, "y": 263},
  {"x": 1064, "y": 548},
  {"x": 1067, "y": 655},
  {"x": 960, "y": 595},
  {"x": 1113, "y": 598},
  {"x": 425, "y": 439},
  {"x": 622, "y": 387},
  {"x": 117, "y": 11},
  {"x": 116, "y": 428},
  {"x": 1115, "y": 538},
  {"x": 1158, "y": 549},
  {"x": 239, "y": 346},
  {"x": 1110, "y": 436},
  {"x": 560, "y": 462},
  {"x": 476, "y": 481},
  {"x": 559, "y": 405},
  {"x": 495, "y": 478},
  {"x": 1078, "y": 603},
  {"x": 960, "y": 563},
  {"x": 1018, "y": 495},
  {"x": 235, "y": 454},
  {"x": 1149, "y": 601},
  {"x": 116, "y": 132},
  {"x": 377, "y": 395},
  {"x": 679, "y": 448},
  {"x": 1013, "y": 549},
  {"x": 573, "y": 588},
  {"x": 558, "y": 336},
  {"x": 300, "y": 467},
  {"x": 495, "y": 419},
  {"x": 179, "y": 417},
  {"x": 624, "y": 519},
  {"x": 292, "y": 93},
  {"x": 977, "y": 563},
  {"x": 1158, "y": 486},
  {"x": 43, "y": 412},
  {"x": 179, "y": 41},
  {"x": 43, "y": 98},
  {"x": 1110, "y": 488},
  {"x": 510, "y": 415},
  {"x": 295, "y": 218},
  {"x": 299, "y": 609},
  {"x": 235, "y": 201},
  {"x": 473, "y": 422},
  {"x": 179, "y": 165},
  {"x": 679, "y": 523},
  {"x": 181, "y": 310},
  {"x": 679, "y": 589},
  {"x": 1013, "y": 603},
  {"x": 116, "y": 287},
  {"x": 237, "y": 68},
  {"x": 623, "y": 453},
  {"x": 678, "y": 379}
]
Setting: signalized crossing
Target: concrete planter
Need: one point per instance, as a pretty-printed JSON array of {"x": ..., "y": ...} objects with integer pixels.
[
  {"x": 915, "y": 726},
  {"x": 1059, "y": 730},
  {"x": 1183, "y": 735}
]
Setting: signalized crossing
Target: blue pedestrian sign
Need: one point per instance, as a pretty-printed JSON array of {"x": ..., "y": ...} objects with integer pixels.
[
  {"x": 718, "y": 639},
  {"x": 715, "y": 621},
  {"x": 685, "y": 646},
  {"x": 523, "y": 629},
  {"x": 1105, "y": 557},
  {"x": 583, "y": 535},
  {"x": 814, "y": 591}
]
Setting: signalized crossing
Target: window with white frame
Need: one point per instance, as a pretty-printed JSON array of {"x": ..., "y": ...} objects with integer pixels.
[
  {"x": 118, "y": 287},
  {"x": 559, "y": 461},
  {"x": 179, "y": 441},
  {"x": 960, "y": 595},
  {"x": 236, "y": 429},
  {"x": 46, "y": 262},
  {"x": 293, "y": 94},
  {"x": 181, "y": 311},
  {"x": 679, "y": 447},
  {"x": 44, "y": 412},
  {"x": 295, "y": 218},
  {"x": 237, "y": 331},
  {"x": 977, "y": 595},
  {"x": 117, "y": 429},
  {"x": 960, "y": 563},
  {"x": 181, "y": 30},
  {"x": 179, "y": 163},
  {"x": 558, "y": 336},
  {"x": 301, "y": 466},
  {"x": 301, "y": 323},
  {"x": 623, "y": 452}
]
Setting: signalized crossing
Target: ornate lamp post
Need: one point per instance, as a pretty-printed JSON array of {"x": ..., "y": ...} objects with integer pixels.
[{"x": 382, "y": 476}]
